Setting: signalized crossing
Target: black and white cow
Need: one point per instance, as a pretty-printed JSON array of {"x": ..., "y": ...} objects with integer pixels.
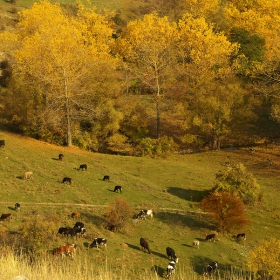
[
  {"x": 99, "y": 242},
  {"x": 241, "y": 236},
  {"x": 171, "y": 254},
  {"x": 80, "y": 232},
  {"x": 145, "y": 213},
  {"x": 144, "y": 244},
  {"x": 67, "y": 180},
  {"x": 170, "y": 269},
  {"x": 211, "y": 268},
  {"x": 106, "y": 178},
  {"x": 17, "y": 206},
  {"x": 117, "y": 189},
  {"x": 83, "y": 167},
  {"x": 211, "y": 237},
  {"x": 79, "y": 225},
  {"x": 2, "y": 143}
]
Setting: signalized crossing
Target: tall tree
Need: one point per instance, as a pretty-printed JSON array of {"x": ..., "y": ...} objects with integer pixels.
[
  {"x": 66, "y": 58},
  {"x": 148, "y": 50}
]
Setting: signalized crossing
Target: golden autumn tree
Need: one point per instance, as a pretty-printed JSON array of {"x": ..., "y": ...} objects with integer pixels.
[
  {"x": 148, "y": 50},
  {"x": 67, "y": 61}
]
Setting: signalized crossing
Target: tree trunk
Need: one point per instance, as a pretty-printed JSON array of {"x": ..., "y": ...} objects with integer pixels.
[
  {"x": 215, "y": 141},
  {"x": 158, "y": 118}
]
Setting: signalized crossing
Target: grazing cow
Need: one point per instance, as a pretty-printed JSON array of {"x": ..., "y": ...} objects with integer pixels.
[
  {"x": 17, "y": 206},
  {"x": 211, "y": 268},
  {"x": 269, "y": 161},
  {"x": 241, "y": 236},
  {"x": 75, "y": 215},
  {"x": 27, "y": 175},
  {"x": 67, "y": 231},
  {"x": 170, "y": 269},
  {"x": 171, "y": 254},
  {"x": 211, "y": 237},
  {"x": 20, "y": 277},
  {"x": 144, "y": 244},
  {"x": 106, "y": 178},
  {"x": 67, "y": 180},
  {"x": 60, "y": 156},
  {"x": 79, "y": 225},
  {"x": 145, "y": 213},
  {"x": 252, "y": 150},
  {"x": 195, "y": 244},
  {"x": 117, "y": 189},
  {"x": 6, "y": 217},
  {"x": 81, "y": 232},
  {"x": 2, "y": 143},
  {"x": 83, "y": 167},
  {"x": 99, "y": 242},
  {"x": 68, "y": 250}
]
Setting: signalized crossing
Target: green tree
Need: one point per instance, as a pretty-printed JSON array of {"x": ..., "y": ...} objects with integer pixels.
[
  {"x": 227, "y": 211},
  {"x": 237, "y": 180}
]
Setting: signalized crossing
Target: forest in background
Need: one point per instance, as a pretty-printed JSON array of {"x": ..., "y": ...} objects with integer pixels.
[{"x": 152, "y": 78}]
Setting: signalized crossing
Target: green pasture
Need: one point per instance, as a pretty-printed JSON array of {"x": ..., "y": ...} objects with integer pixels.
[{"x": 172, "y": 187}]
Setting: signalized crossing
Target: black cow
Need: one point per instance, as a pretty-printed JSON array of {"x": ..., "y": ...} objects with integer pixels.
[
  {"x": 171, "y": 254},
  {"x": 117, "y": 189},
  {"x": 241, "y": 236},
  {"x": 2, "y": 143},
  {"x": 144, "y": 244},
  {"x": 99, "y": 242},
  {"x": 67, "y": 231},
  {"x": 211, "y": 237},
  {"x": 79, "y": 225},
  {"x": 67, "y": 180},
  {"x": 7, "y": 217},
  {"x": 170, "y": 269},
  {"x": 17, "y": 206},
  {"x": 211, "y": 268},
  {"x": 60, "y": 156},
  {"x": 83, "y": 167},
  {"x": 106, "y": 178}
]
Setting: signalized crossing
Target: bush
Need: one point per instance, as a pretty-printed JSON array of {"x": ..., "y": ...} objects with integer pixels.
[
  {"x": 227, "y": 210},
  {"x": 157, "y": 147},
  {"x": 236, "y": 180}
]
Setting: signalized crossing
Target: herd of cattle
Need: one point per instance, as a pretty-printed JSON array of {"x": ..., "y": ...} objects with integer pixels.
[{"x": 79, "y": 229}]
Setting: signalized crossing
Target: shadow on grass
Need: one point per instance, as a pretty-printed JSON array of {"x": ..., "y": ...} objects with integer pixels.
[
  {"x": 192, "y": 220},
  {"x": 188, "y": 194},
  {"x": 159, "y": 270}
]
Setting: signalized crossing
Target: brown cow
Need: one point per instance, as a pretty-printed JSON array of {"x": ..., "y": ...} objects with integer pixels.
[
  {"x": 68, "y": 250},
  {"x": 27, "y": 175},
  {"x": 5, "y": 217},
  {"x": 75, "y": 215}
]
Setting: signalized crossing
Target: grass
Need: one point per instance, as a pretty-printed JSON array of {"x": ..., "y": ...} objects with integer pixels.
[{"x": 172, "y": 187}]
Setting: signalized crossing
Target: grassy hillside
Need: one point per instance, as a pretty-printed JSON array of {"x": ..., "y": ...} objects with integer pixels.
[{"x": 172, "y": 187}]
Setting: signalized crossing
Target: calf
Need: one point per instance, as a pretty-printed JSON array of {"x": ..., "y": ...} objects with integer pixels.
[
  {"x": 17, "y": 206},
  {"x": 145, "y": 213},
  {"x": 60, "y": 156},
  {"x": 117, "y": 189},
  {"x": 6, "y": 217},
  {"x": 27, "y": 175},
  {"x": 171, "y": 254},
  {"x": 195, "y": 244},
  {"x": 99, "y": 242},
  {"x": 170, "y": 269},
  {"x": 68, "y": 250},
  {"x": 211, "y": 268},
  {"x": 144, "y": 244},
  {"x": 2, "y": 143},
  {"x": 241, "y": 236},
  {"x": 67, "y": 180},
  {"x": 75, "y": 215},
  {"x": 106, "y": 178},
  {"x": 211, "y": 237},
  {"x": 83, "y": 167},
  {"x": 79, "y": 225}
]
